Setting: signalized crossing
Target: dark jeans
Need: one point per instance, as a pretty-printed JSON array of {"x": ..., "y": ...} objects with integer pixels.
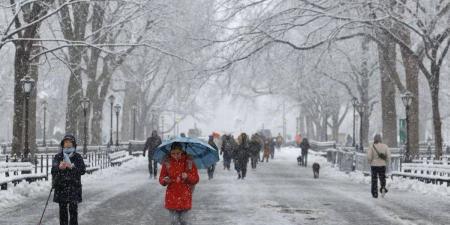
[
  {"x": 153, "y": 168},
  {"x": 226, "y": 162},
  {"x": 305, "y": 160},
  {"x": 64, "y": 210},
  {"x": 243, "y": 167},
  {"x": 378, "y": 172},
  {"x": 178, "y": 217},
  {"x": 254, "y": 161}
]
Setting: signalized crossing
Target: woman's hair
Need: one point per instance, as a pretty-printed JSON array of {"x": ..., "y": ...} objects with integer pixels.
[
  {"x": 377, "y": 139},
  {"x": 176, "y": 146}
]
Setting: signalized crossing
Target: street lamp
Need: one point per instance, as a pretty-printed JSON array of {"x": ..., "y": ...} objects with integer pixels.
[
  {"x": 354, "y": 104},
  {"x": 44, "y": 106},
  {"x": 361, "y": 108},
  {"x": 134, "y": 121},
  {"x": 27, "y": 84},
  {"x": 407, "y": 98},
  {"x": 111, "y": 102},
  {"x": 117, "y": 107},
  {"x": 85, "y": 102}
]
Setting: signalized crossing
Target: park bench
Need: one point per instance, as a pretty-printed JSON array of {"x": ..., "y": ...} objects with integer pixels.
[
  {"x": 90, "y": 169},
  {"x": 428, "y": 173},
  {"x": 16, "y": 172},
  {"x": 322, "y": 146},
  {"x": 117, "y": 158},
  {"x": 136, "y": 148}
]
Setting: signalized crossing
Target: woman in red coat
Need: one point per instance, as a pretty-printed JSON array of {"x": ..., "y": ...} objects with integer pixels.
[{"x": 179, "y": 174}]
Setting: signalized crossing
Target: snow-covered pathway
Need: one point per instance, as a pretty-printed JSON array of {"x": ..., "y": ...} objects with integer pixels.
[{"x": 278, "y": 192}]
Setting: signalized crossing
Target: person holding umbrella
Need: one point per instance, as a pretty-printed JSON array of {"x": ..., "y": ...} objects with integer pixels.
[
  {"x": 67, "y": 168},
  {"x": 180, "y": 175}
]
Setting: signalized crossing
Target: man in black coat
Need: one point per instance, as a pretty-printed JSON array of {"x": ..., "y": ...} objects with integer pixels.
[
  {"x": 67, "y": 168},
  {"x": 305, "y": 147},
  {"x": 242, "y": 155},
  {"x": 151, "y": 144}
]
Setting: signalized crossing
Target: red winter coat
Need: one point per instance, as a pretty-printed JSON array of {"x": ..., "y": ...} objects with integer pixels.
[{"x": 179, "y": 193}]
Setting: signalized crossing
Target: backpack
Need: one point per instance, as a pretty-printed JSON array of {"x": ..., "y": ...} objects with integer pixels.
[{"x": 188, "y": 169}]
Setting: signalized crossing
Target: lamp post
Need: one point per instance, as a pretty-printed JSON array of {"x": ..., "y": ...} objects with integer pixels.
[
  {"x": 361, "y": 108},
  {"x": 407, "y": 100},
  {"x": 134, "y": 121},
  {"x": 117, "y": 107},
  {"x": 354, "y": 104},
  {"x": 27, "y": 84},
  {"x": 44, "y": 106},
  {"x": 85, "y": 102},
  {"x": 111, "y": 102}
]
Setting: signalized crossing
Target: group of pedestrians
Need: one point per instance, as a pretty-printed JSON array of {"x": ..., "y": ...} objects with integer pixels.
[{"x": 179, "y": 172}]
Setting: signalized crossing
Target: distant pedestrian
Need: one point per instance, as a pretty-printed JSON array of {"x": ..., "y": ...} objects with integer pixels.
[
  {"x": 272, "y": 148},
  {"x": 266, "y": 153},
  {"x": 150, "y": 146},
  {"x": 226, "y": 151},
  {"x": 242, "y": 155},
  {"x": 279, "y": 141},
  {"x": 379, "y": 157},
  {"x": 180, "y": 175},
  {"x": 254, "y": 148},
  {"x": 213, "y": 166},
  {"x": 67, "y": 168},
  {"x": 305, "y": 147}
]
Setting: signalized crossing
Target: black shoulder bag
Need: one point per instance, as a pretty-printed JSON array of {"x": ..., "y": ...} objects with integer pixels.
[{"x": 380, "y": 155}]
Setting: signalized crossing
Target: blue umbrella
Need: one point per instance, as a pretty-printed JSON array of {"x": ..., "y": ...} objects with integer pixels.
[{"x": 202, "y": 153}]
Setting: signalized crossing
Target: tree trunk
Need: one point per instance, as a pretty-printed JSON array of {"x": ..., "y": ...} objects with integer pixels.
[
  {"x": 128, "y": 114},
  {"x": 34, "y": 73},
  {"x": 21, "y": 66},
  {"x": 434, "y": 88},
  {"x": 412, "y": 85},
  {"x": 96, "y": 122},
  {"x": 386, "y": 55}
]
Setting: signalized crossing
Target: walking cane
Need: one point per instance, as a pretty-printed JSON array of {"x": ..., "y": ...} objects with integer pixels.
[{"x": 45, "y": 206}]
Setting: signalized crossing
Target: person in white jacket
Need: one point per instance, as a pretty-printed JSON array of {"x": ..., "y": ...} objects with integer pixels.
[{"x": 379, "y": 157}]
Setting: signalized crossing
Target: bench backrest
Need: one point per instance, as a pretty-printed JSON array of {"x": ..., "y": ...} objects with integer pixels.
[{"x": 15, "y": 166}]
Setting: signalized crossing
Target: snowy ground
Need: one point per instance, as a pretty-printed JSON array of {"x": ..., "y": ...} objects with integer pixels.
[{"x": 278, "y": 192}]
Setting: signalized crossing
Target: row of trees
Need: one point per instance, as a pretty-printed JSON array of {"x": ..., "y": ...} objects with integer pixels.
[
  {"x": 135, "y": 50},
  {"x": 372, "y": 50}
]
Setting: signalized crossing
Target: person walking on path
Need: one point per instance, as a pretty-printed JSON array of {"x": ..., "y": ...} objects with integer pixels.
[
  {"x": 266, "y": 153},
  {"x": 305, "y": 147},
  {"x": 226, "y": 151},
  {"x": 379, "y": 157},
  {"x": 67, "y": 168},
  {"x": 242, "y": 155},
  {"x": 180, "y": 175},
  {"x": 212, "y": 167},
  {"x": 279, "y": 141},
  {"x": 150, "y": 145},
  {"x": 254, "y": 148}
]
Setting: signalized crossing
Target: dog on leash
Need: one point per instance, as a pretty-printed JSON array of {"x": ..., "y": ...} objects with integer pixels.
[
  {"x": 316, "y": 168},
  {"x": 300, "y": 160}
]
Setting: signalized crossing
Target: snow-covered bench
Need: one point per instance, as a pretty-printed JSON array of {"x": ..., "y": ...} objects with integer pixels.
[
  {"x": 15, "y": 172},
  {"x": 136, "y": 148},
  {"x": 117, "y": 158},
  {"x": 90, "y": 169},
  {"x": 428, "y": 173},
  {"x": 322, "y": 146}
]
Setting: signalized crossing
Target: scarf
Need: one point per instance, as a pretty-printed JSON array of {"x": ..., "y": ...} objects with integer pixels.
[{"x": 68, "y": 152}]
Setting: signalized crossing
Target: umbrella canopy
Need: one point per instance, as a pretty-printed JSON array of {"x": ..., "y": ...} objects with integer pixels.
[{"x": 202, "y": 153}]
